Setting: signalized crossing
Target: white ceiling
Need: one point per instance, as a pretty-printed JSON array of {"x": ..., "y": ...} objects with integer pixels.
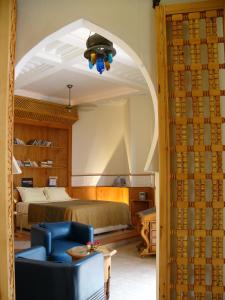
[{"x": 61, "y": 62}]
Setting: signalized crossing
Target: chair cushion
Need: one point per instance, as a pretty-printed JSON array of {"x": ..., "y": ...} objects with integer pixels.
[{"x": 59, "y": 250}]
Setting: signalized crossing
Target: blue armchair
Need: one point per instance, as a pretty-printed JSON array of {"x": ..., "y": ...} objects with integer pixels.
[
  {"x": 59, "y": 237},
  {"x": 37, "y": 278}
]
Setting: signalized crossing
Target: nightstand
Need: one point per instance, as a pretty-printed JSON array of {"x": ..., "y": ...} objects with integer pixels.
[{"x": 139, "y": 205}]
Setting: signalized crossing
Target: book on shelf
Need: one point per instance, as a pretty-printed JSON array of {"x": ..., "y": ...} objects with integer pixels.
[
  {"x": 52, "y": 181},
  {"x": 46, "y": 164},
  {"x": 34, "y": 164},
  {"x": 18, "y": 141},
  {"x": 27, "y": 163},
  {"x": 27, "y": 182},
  {"x": 46, "y": 143},
  {"x": 43, "y": 143},
  {"x": 32, "y": 142}
]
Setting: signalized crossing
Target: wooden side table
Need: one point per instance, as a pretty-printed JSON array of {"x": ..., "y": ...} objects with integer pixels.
[
  {"x": 147, "y": 228},
  {"x": 82, "y": 251}
]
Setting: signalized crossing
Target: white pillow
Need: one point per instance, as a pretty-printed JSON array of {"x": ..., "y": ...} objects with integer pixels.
[
  {"x": 32, "y": 194},
  {"x": 56, "y": 194}
]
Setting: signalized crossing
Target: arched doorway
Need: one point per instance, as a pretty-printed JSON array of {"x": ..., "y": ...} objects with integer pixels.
[{"x": 94, "y": 28}]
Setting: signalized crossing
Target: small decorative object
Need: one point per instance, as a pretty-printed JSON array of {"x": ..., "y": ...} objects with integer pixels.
[
  {"x": 142, "y": 196},
  {"x": 52, "y": 181},
  {"x": 93, "y": 246},
  {"x": 119, "y": 181},
  {"x": 99, "y": 52},
  {"x": 27, "y": 182}
]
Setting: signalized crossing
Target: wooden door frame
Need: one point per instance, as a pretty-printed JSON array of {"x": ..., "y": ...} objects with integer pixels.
[
  {"x": 164, "y": 144},
  {"x": 7, "y": 60}
]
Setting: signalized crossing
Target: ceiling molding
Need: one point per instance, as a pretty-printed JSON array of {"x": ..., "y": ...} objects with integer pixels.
[{"x": 64, "y": 53}]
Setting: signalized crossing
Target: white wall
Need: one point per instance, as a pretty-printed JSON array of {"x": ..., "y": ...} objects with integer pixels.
[
  {"x": 113, "y": 139},
  {"x": 99, "y": 142},
  {"x": 140, "y": 131},
  {"x": 130, "y": 20}
]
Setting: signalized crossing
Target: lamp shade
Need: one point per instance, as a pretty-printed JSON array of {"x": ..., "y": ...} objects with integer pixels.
[{"x": 15, "y": 167}]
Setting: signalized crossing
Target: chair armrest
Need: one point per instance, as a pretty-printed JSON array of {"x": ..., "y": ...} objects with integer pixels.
[
  {"x": 37, "y": 253},
  {"x": 82, "y": 233},
  {"x": 41, "y": 237},
  {"x": 90, "y": 267}
]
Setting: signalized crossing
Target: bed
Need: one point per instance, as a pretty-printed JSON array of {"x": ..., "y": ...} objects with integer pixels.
[
  {"x": 103, "y": 215},
  {"x": 99, "y": 214}
]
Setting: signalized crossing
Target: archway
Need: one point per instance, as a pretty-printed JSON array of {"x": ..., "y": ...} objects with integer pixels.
[{"x": 94, "y": 28}]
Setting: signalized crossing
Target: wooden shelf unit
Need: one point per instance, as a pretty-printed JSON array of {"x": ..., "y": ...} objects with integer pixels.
[{"x": 59, "y": 153}]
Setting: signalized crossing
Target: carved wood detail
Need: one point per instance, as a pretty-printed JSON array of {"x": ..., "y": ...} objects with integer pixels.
[
  {"x": 10, "y": 150},
  {"x": 28, "y": 108},
  {"x": 147, "y": 228},
  {"x": 192, "y": 105}
]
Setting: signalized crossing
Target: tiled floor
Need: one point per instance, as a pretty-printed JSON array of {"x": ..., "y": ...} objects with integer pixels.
[{"x": 132, "y": 277}]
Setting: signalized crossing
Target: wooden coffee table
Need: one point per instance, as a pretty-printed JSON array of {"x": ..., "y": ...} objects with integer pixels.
[{"x": 82, "y": 251}]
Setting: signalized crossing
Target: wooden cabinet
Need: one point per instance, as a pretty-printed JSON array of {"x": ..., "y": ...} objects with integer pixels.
[{"x": 59, "y": 152}]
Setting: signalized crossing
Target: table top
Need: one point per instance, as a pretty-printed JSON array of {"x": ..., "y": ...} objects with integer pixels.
[{"x": 82, "y": 251}]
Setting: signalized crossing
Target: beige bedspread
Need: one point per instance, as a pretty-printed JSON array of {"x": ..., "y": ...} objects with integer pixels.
[{"x": 96, "y": 213}]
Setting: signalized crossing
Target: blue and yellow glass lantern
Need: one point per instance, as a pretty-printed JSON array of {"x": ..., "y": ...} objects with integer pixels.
[{"x": 99, "y": 52}]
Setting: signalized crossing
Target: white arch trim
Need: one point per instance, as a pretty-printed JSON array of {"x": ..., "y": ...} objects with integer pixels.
[{"x": 94, "y": 28}]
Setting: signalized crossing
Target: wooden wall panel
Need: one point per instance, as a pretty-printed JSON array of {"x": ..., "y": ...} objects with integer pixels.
[
  {"x": 83, "y": 192},
  {"x": 192, "y": 104},
  {"x": 7, "y": 58},
  {"x": 116, "y": 193},
  {"x": 108, "y": 193}
]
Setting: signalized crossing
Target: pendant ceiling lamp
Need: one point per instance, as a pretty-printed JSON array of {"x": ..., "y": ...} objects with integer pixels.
[{"x": 99, "y": 51}]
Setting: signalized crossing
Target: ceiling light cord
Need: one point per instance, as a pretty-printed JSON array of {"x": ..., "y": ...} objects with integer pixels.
[{"x": 69, "y": 107}]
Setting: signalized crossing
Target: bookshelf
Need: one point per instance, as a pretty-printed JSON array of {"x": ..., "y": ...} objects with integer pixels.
[{"x": 58, "y": 153}]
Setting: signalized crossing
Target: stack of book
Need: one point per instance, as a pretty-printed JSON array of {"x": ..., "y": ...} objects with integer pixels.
[
  {"x": 46, "y": 164},
  {"x": 27, "y": 163}
]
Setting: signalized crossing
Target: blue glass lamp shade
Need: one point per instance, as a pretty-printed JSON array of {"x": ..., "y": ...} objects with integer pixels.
[{"x": 99, "y": 52}]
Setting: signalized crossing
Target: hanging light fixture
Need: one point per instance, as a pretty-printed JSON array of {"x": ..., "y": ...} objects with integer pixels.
[
  {"x": 99, "y": 51},
  {"x": 69, "y": 106}
]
